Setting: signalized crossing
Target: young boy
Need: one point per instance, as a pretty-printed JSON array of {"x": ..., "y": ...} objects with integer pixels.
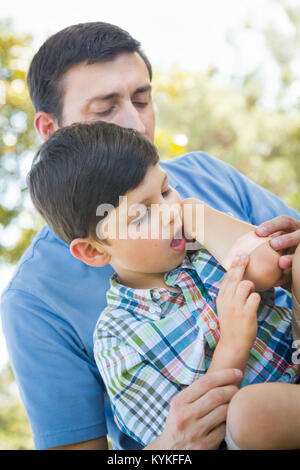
[{"x": 161, "y": 330}]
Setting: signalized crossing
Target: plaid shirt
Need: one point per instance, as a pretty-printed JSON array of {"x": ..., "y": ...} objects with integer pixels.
[{"x": 152, "y": 343}]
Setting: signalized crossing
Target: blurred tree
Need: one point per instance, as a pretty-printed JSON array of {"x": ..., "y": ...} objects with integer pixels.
[
  {"x": 17, "y": 138},
  {"x": 15, "y": 432},
  {"x": 195, "y": 113},
  {"x": 17, "y": 223},
  {"x": 232, "y": 121}
]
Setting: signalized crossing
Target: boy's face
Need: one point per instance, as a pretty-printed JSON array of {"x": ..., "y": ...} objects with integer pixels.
[
  {"x": 141, "y": 230},
  {"x": 116, "y": 91}
]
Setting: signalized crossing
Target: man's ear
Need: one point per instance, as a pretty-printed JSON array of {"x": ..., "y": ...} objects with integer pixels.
[
  {"x": 45, "y": 124},
  {"x": 84, "y": 249}
]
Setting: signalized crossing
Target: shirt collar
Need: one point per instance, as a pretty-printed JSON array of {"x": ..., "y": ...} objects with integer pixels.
[{"x": 151, "y": 296}]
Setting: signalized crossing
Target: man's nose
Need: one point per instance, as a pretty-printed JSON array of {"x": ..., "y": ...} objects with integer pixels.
[{"x": 131, "y": 119}]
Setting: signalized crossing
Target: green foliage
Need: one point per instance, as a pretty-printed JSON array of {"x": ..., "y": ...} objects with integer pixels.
[
  {"x": 17, "y": 138},
  {"x": 15, "y": 432},
  {"x": 229, "y": 124}
]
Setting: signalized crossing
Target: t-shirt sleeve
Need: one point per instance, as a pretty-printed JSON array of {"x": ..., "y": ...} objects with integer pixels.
[{"x": 59, "y": 384}]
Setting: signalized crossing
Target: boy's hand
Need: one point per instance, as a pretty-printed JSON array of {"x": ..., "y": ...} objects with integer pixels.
[{"x": 237, "y": 305}]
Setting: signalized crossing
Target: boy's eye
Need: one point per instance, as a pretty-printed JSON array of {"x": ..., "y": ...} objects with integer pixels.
[
  {"x": 141, "y": 219},
  {"x": 166, "y": 192}
]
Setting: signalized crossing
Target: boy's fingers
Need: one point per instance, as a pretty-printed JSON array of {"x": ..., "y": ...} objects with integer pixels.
[
  {"x": 252, "y": 302},
  {"x": 235, "y": 274},
  {"x": 243, "y": 291}
]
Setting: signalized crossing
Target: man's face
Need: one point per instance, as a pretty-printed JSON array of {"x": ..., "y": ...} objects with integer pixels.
[{"x": 116, "y": 91}]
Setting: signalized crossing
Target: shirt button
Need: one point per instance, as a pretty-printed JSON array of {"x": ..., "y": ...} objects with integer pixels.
[
  {"x": 268, "y": 355},
  {"x": 156, "y": 295},
  {"x": 213, "y": 325}
]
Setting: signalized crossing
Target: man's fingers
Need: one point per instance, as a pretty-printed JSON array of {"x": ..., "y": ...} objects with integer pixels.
[
  {"x": 286, "y": 261},
  {"x": 288, "y": 240},
  {"x": 207, "y": 382},
  {"x": 282, "y": 222},
  {"x": 277, "y": 234},
  {"x": 215, "y": 437},
  {"x": 212, "y": 400},
  {"x": 210, "y": 423}
]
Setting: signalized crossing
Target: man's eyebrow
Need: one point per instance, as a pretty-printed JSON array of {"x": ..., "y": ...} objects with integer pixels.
[
  {"x": 109, "y": 96},
  {"x": 143, "y": 89}
]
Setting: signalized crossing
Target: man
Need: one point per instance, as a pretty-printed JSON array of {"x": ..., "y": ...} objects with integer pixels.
[{"x": 89, "y": 72}]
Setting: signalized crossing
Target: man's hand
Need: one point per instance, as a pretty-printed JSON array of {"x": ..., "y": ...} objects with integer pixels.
[
  {"x": 286, "y": 237},
  {"x": 196, "y": 420}
]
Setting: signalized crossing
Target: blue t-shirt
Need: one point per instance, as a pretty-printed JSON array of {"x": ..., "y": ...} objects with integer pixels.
[{"x": 51, "y": 305}]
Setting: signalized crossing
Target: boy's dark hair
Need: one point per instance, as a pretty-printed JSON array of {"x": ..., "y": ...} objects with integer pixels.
[
  {"x": 82, "y": 166},
  {"x": 91, "y": 42}
]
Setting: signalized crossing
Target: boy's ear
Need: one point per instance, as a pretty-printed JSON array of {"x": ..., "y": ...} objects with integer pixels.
[
  {"x": 45, "y": 124},
  {"x": 83, "y": 249}
]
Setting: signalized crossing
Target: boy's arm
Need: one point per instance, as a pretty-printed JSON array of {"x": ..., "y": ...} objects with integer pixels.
[
  {"x": 270, "y": 263},
  {"x": 224, "y": 237},
  {"x": 237, "y": 306}
]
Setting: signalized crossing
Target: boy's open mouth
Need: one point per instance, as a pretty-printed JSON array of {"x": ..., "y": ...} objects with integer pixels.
[{"x": 178, "y": 242}]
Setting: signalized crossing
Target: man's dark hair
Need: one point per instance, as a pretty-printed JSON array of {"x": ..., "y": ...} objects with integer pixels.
[
  {"x": 91, "y": 42},
  {"x": 82, "y": 166}
]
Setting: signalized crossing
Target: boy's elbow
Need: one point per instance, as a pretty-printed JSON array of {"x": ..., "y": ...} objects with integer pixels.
[{"x": 263, "y": 268}]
